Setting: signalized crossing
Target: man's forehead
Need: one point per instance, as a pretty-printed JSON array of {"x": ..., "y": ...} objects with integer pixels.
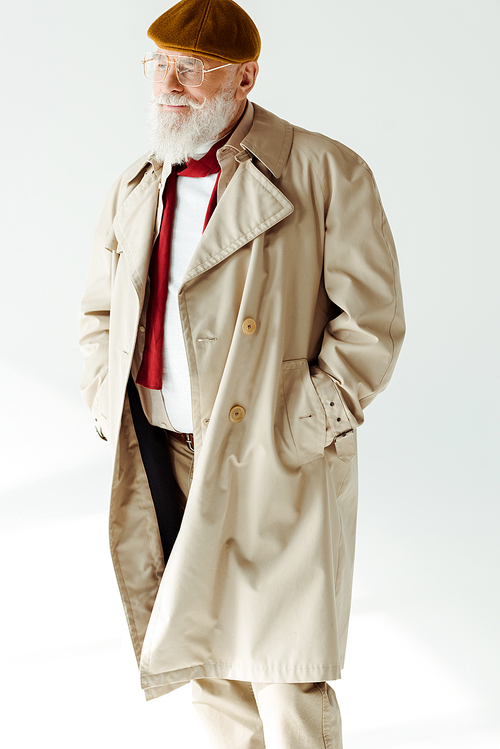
[{"x": 184, "y": 53}]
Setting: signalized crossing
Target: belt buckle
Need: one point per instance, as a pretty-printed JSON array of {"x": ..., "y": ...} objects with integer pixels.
[{"x": 189, "y": 442}]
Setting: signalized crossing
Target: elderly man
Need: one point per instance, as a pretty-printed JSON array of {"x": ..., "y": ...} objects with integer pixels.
[{"x": 242, "y": 308}]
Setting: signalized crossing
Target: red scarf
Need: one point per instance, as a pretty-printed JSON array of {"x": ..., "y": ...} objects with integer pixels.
[{"x": 151, "y": 371}]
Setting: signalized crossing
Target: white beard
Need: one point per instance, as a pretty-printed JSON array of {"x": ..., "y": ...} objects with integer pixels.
[{"x": 177, "y": 136}]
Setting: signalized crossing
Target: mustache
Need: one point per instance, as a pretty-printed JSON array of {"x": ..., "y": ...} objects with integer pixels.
[{"x": 178, "y": 100}]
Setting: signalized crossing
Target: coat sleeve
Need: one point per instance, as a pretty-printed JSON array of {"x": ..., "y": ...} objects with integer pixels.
[
  {"x": 361, "y": 344},
  {"x": 95, "y": 311}
]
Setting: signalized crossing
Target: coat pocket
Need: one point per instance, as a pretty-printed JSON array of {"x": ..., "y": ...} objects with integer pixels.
[
  {"x": 301, "y": 420},
  {"x": 338, "y": 424}
]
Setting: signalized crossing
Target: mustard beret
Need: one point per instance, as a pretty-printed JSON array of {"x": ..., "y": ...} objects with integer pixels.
[{"x": 211, "y": 28}]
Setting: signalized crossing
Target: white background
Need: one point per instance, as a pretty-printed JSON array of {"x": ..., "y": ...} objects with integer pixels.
[{"x": 413, "y": 88}]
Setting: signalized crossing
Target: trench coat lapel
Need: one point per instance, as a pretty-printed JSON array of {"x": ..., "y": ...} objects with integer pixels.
[
  {"x": 134, "y": 226},
  {"x": 250, "y": 206}
]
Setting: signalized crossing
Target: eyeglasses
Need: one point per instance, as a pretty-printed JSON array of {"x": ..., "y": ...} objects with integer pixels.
[{"x": 190, "y": 71}]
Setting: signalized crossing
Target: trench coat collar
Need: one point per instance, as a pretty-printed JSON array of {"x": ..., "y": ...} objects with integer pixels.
[
  {"x": 269, "y": 140},
  {"x": 260, "y": 133}
]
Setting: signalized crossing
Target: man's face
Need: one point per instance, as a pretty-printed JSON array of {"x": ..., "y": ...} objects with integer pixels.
[{"x": 212, "y": 84}]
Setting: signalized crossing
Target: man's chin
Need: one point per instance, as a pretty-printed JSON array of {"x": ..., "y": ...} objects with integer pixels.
[{"x": 173, "y": 121}]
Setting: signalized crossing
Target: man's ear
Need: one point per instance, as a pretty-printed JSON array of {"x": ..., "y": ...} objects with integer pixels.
[{"x": 247, "y": 77}]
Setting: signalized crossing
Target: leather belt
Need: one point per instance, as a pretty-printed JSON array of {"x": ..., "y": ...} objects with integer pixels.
[{"x": 187, "y": 439}]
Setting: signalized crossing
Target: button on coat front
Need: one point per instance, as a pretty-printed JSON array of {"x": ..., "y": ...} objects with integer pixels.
[
  {"x": 249, "y": 326},
  {"x": 237, "y": 414}
]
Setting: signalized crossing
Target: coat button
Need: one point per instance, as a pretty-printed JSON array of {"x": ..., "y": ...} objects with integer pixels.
[
  {"x": 237, "y": 413},
  {"x": 249, "y": 326},
  {"x": 142, "y": 328}
]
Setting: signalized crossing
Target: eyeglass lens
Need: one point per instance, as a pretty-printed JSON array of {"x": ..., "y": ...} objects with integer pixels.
[{"x": 189, "y": 69}]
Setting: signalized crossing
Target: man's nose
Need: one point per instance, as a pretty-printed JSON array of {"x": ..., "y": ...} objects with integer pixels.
[{"x": 171, "y": 83}]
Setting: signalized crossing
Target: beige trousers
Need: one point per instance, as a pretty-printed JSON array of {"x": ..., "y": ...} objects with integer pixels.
[{"x": 250, "y": 715}]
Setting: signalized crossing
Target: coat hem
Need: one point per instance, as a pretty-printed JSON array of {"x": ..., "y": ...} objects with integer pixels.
[{"x": 159, "y": 684}]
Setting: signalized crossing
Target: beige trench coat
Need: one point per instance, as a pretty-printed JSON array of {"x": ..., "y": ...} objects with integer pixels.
[{"x": 258, "y": 584}]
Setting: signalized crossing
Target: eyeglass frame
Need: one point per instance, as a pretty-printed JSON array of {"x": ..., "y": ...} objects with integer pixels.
[{"x": 173, "y": 60}]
